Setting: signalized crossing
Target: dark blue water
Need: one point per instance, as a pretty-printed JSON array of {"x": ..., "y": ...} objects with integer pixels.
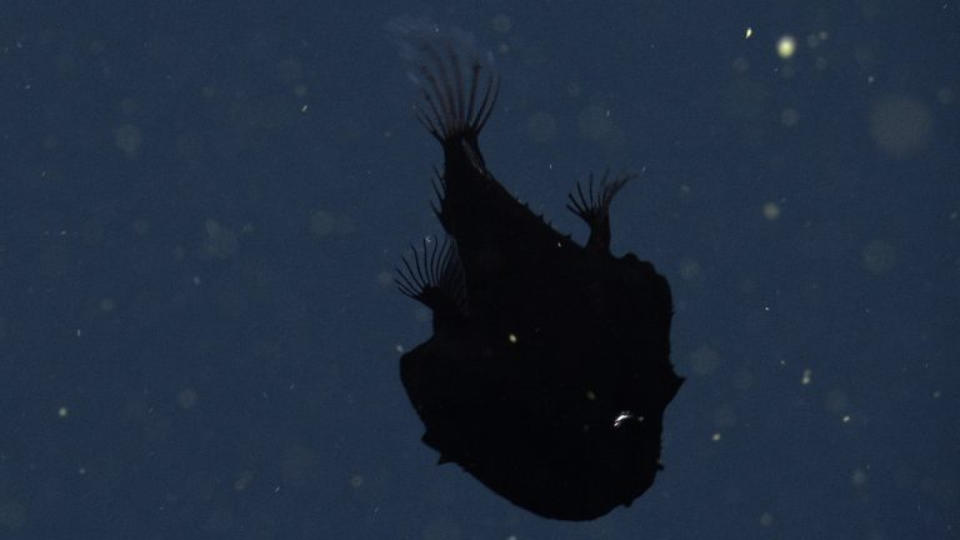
[{"x": 201, "y": 207}]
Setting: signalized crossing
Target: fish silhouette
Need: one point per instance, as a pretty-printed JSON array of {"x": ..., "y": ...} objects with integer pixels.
[{"x": 548, "y": 370}]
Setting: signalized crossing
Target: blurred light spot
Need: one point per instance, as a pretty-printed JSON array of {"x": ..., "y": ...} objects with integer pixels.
[
  {"x": 63, "y": 412},
  {"x": 243, "y": 481},
  {"x": 594, "y": 123},
  {"x": 704, "y": 361},
  {"x": 220, "y": 242},
  {"x": 807, "y": 377},
  {"x": 879, "y": 257},
  {"x": 385, "y": 279},
  {"x": 356, "y": 481},
  {"x": 12, "y": 515},
  {"x": 766, "y": 519},
  {"x": 107, "y": 305},
  {"x": 323, "y": 223},
  {"x": 945, "y": 96},
  {"x": 900, "y": 126},
  {"x": 748, "y": 34},
  {"x": 141, "y": 226},
  {"x": 715, "y": 437},
  {"x": 740, "y": 64},
  {"x": 786, "y": 46},
  {"x": 299, "y": 466},
  {"x": 743, "y": 380},
  {"x": 859, "y": 477},
  {"x": 771, "y": 211},
  {"x": 789, "y": 117},
  {"x": 187, "y": 398},
  {"x": 541, "y": 127},
  {"x": 501, "y": 23},
  {"x": 836, "y": 401},
  {"x": 128, "y": 139},
  {"x": 289, "y": 70},
  {"x": 690, "y": 270},
  {"x": 129, "y": 106},
  {"x": 724, "y": 417}
]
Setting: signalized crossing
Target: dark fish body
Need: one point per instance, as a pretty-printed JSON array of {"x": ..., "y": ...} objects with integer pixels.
[{"x": 548, "y": 371}]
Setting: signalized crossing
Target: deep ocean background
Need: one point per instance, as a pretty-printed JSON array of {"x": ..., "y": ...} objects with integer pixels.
[{"x": 201, "y": 205}]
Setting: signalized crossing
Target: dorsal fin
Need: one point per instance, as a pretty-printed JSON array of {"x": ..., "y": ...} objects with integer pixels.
[
  {"x": 434, "y": 277},
  {"x": 458, "y": 84},
  {"x": 593, "y": 207}
]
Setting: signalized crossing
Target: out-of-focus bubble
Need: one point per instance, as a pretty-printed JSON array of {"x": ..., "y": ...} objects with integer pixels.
[
  {"x": 542, "y": 127},
  {"x": 879, "y": 257},
  {"x": 501, "y": 23},
  {"x": 789, "y": 117},
  {"x": 595, "y": 123},
  {"x": 704, "y": 360},
  {"x": 901, "y": 126},
  {"x": 946, "y": 96},
  {"x": 128, "y": 139}
]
